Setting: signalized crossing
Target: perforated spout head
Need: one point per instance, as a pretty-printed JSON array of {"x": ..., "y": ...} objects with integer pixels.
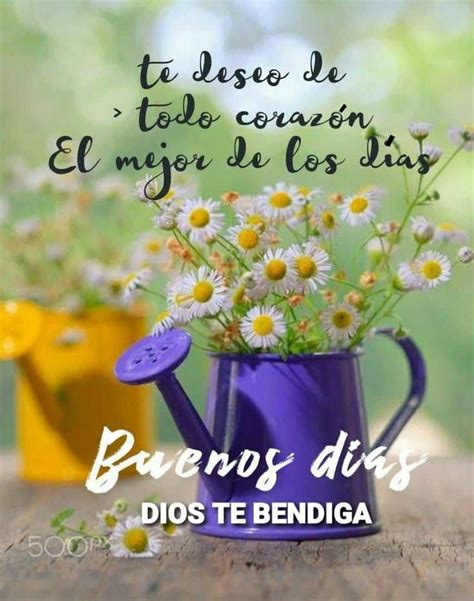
[{"x": 153, "y": 357}]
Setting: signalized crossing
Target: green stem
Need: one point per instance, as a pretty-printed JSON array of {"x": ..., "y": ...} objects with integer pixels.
[{"x": 435, "y": 177}]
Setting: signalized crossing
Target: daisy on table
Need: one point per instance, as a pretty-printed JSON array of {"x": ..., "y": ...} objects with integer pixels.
[
  {"x": 261, "y": 327},
  {"x": 311, "y": 263},
  {"x": 341, "y": 321},
  {"x": 132, "y": 539},
  {"x": 279, "y": 203},
  {"x": 200, "y": 219},
  {"x": 202, "y": 293},
  {"x": 275, "y": 272},
  {"x": 249, "y": 239},
  {"x": 449, "y": 232},
  {"x": 108, "y": 519},
  {"x": 360, "y": 208},
  {"x": 324, "y": 220}
]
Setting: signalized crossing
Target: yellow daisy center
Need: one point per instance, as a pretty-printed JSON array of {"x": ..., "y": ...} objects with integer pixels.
[
  {"x": 431, "y": 270},
  {"x": 447, "y": 227},
  {"x": 342, "y": 319},
  {"x": 257, "y": 220},
  {"x": 127, "y": 280},
  {"x": 238, "y": 295},
  {"x": 275, "y": 269},
  {"x": 304, "y": 191},
  {"x": 115, "y": 286},
  {"x": 263, "y": 325},
  {"x": 110, "y": 520},
  {"x": 162, "y": 315},
  {"x": 203, "y": 291},
  {"x": 153, "y": 246},
  {"x": 169, "y": 195},
  {"x": 199, "y": 217},
  {"x": 306, "y": 267},
  {"x": 135, "y": 540},
  {"x": 280, "y": 200},
  {"x": 358, "y": 204},
  {"x": 248, "y": 239},
  {"x": 328, "y": 219}
]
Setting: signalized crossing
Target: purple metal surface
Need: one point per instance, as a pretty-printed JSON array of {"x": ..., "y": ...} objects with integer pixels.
[
  {"x": 297, "y": 406},
  {"x": 153, "y": 357}
]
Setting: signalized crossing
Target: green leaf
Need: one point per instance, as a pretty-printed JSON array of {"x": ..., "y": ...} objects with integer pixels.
[
  {"x": 82, "y": 526},
  {"x": 64, "y": 514}
]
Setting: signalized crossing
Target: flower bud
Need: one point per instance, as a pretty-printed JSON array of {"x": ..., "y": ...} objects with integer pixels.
[
  {"x": 422, "y": 230},
  {"x": 465, "y": 254},
  {"x": 165, "y": 221},
  {"x": 121, "y": 505},
  {"x": 355, "y": 299},
  {"x": 419, "y": 130},
  {"x": 249, "y": 280},
  {"x": 433, "y": 152},
  {"x": 367, "y": 279}
]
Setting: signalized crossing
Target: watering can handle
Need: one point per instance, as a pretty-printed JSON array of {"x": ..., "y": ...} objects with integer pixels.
[{"x": 415, "y": 395}]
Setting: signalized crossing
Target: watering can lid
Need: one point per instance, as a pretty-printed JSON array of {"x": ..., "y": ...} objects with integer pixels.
[{"x": 153, "y": 356}]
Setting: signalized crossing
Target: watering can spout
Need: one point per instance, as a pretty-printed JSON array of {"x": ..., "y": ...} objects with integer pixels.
[{"x": 154, "y": 359}]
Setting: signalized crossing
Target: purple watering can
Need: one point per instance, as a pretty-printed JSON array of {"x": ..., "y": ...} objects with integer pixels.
[{"x": 297, "y": 405}]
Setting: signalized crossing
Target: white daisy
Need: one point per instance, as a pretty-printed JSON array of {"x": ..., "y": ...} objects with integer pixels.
[
  {"x": 249, "y": 239},
  {"x": 176, "y": 299},
  {"x": 341, "y": 321},
  {"x": 148, "y": 251},
  {"x": 304, "y": 213},
  {"x": 324, "y": 220},
  {"x": 163, "y": 322},
  {"x": 145, "y": 188},
  {"x": 306, "y": 194},
  {"x": 203, "y": 292},
  {"x": 432, "y": 268},
  {"x": 132, "y": 539},
  {"x": 201, "y": 220},
  {"x": 133, "y": 281},
  {"x": 27, "y": 228},
  {"x": 165, "y": 221},
  {"x": 111, "y": 186},
  {"x": 449, "y": 232},
  {"x": 433, "y": 152},
  {"x": 359, "y": 209},
  {"x": 108, "y": 519},
  {"x": 279, "y": 203},
  {"x": 408, "y": 277},
  {"x": 422, "y": 229},
  {"x": 262, "y": 326},
  {"x": 275, "y": 271},
  {"x": 419, "y": 130},
  {"x": 253, "y": 215},
  {"x": 310, "y": 262},
  {"x": 462, "y": 135}
]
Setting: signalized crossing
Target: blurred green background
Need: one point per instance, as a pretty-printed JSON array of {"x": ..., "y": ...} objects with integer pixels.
[{"x": 66, "y": 64}]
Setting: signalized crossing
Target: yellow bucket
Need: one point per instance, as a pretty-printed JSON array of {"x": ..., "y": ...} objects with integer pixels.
[{"x": 60, "y": 417}]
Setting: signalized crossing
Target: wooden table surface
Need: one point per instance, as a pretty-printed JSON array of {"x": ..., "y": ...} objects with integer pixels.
[{"x": 423, "y": 552}]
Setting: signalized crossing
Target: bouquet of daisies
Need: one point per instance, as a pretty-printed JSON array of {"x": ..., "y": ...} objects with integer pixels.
[{"x": 260, "y": 273}]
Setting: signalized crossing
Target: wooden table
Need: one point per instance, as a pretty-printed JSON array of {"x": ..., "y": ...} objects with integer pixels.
[{"x": 424, "y": 551}]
